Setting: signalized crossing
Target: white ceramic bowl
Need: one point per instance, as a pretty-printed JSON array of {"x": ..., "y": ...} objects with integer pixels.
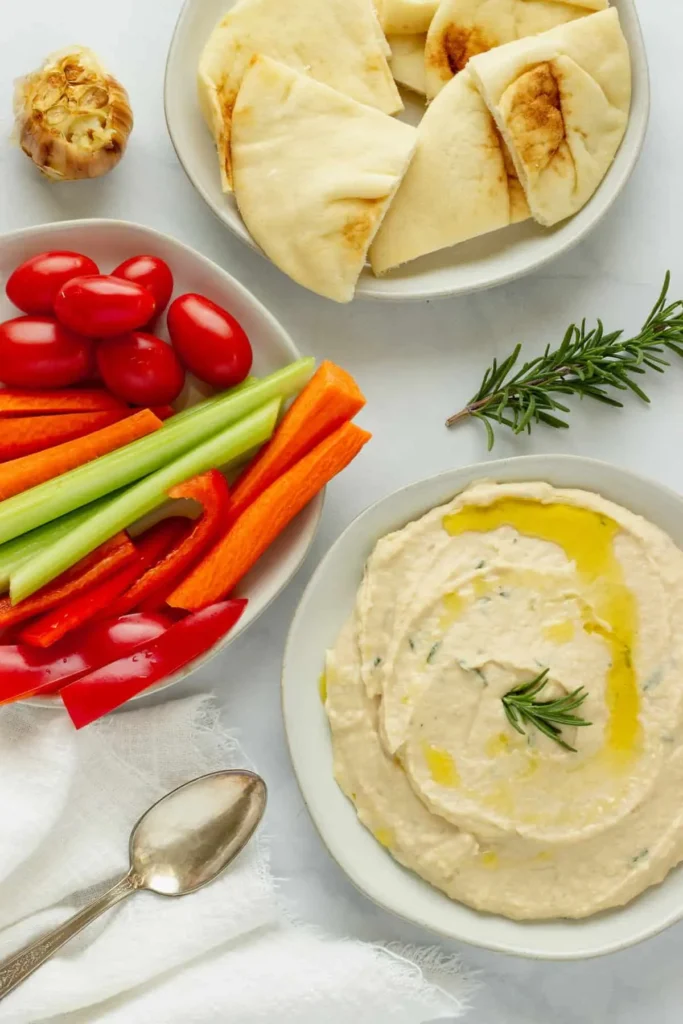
[
  {"x": 109, "y": 242},
  {"x": 486, "y": 261},
  {"x": 325, "y": 605}
]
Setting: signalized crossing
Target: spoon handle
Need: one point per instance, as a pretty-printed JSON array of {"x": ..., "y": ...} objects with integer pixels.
[{"x": 17, "y": 967}]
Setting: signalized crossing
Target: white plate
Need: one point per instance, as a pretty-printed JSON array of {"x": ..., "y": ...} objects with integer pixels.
[
  {"x": 325, "y": 605},
  {"x": 486, "y": 261},
  {"x": 109, "y": 242}
]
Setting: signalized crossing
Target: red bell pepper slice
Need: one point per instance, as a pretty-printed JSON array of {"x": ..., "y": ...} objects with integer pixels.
[
  {"x": 99, "y": 600},
  {"x": 210, "y": 490},
  {"x": 99, "y": 564},
  {"x": 25, "y": 671},
  {"x": 100, "y": 692},
  {"x": 156, "y": 601}
]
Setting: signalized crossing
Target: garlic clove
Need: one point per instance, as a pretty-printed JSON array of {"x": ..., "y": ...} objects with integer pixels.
[{"x": 73, "y": 119}]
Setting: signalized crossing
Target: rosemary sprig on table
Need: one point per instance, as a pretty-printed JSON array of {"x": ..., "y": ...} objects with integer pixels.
[
  {"x": 522, "y": 708},
  {"x": 586, "y": 364}
]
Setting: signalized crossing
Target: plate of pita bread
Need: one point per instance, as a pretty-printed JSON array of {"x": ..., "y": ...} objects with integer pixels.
[{"x": 406, "y": 149}]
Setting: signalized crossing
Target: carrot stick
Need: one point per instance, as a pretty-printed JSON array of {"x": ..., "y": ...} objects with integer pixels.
[
  {"x": 20, "y": 474},
  {"x": 256, "y": 529},
  {"x": 102, "y": 562},
  {"x": 330, "y": 399},
  {"x": 19, "y": 402},
  {"x": 26, "y": 435}
]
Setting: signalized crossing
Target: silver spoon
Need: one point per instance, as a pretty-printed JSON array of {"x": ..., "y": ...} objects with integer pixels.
[{"x": 180, "y": 845}]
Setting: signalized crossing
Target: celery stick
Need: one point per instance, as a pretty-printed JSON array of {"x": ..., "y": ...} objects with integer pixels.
[
  {"x": 141, "y": 498},
  {"x": 80, "y": 486},
  {"x": 19, "y": 550},
  {"x": 186, "y": 414}
]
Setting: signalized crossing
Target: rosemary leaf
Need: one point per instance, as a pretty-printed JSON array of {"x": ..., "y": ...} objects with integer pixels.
[
  {"x": 585, "y": 364},
  {"x": 522, "y": 709}
]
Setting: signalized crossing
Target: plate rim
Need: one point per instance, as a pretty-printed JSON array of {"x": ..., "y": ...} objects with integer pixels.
[
  {"x": 370, "y": 288},
  {"x": 334, "y": 841},
  {"x": 314, "y": 509}
]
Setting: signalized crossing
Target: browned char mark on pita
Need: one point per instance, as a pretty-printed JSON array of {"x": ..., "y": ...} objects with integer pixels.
[
  {"x": 358, "y": 230},
  {"x": 536, "y": 122},
  {"x": 227, "y": 100},
  {"x": 457, "y": 44}
]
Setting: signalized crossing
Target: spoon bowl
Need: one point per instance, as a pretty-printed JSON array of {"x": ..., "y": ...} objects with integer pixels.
[
  {"x": 189, "y": 836},
  {"x": 179, "y": 845}
]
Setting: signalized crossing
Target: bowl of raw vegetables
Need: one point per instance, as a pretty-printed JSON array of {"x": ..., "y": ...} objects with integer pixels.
[{"x": 164, "y": 451}]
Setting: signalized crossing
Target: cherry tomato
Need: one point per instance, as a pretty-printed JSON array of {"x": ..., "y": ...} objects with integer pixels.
[
  {"x": 152, "y": 273},
  {"x": 209, "y": 341},
  {"x": 38, "y": 352},
  {"x": 33, "y": 286},
  {"x": 102, "y": 306},
  {"x": 140, "y": 369}
]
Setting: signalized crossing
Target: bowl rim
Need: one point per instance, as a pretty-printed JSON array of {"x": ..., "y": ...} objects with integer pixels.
[
  {"x": 367, "y": 287},
  {"x": 316, "y": 506},
  {"x": 93, "y": 223},
  {"x": 333, "y": 840}
]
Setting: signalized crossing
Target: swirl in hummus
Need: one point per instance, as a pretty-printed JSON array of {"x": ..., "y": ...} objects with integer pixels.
[{"x": 457, "y": 609}]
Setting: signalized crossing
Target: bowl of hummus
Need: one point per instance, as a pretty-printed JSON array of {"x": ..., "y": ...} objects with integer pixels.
[{"x": 483, "y": 696}]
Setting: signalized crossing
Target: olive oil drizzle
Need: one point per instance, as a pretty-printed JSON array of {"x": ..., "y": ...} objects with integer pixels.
[{"x": 587, "y": 538}]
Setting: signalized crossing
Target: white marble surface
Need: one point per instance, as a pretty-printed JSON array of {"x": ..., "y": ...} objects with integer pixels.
[{"x": 416, "y": 363}]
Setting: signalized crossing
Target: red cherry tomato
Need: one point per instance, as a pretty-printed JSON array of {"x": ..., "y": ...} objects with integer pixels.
[
  {"x": 209, "y": 341},
  {"x": 102, "y": 306},
  {"x": 140, "y": 369},
  {"x": 38, "y": 352},
  {"x": 152, "y": 273},
  {"x": 33, "y": 286}
]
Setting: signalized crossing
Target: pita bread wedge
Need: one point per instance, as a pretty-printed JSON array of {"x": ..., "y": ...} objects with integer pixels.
[
  {"x": 461, "y": 29},
  {"x": 314, "y": 173},
  {"x": 457, "y": 186},
  {"x": 407, "y": 62},
  {"x": 406, "y": 17},
  {"x": 590, "y": 5},
  {"x": 338, "y": 42},
  {"x": 561, "y": 101}
]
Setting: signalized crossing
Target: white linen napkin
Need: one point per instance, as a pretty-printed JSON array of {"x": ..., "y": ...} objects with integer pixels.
[{"x": 227, "y": 953}]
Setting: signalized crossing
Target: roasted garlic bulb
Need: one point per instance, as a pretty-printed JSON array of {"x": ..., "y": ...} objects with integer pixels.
[{"x": 72, "y": 118}]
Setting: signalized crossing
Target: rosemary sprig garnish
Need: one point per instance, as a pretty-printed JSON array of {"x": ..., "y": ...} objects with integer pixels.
[
  {"x": 586, "y": 364},
  {"x": 522, "y": 708}
]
